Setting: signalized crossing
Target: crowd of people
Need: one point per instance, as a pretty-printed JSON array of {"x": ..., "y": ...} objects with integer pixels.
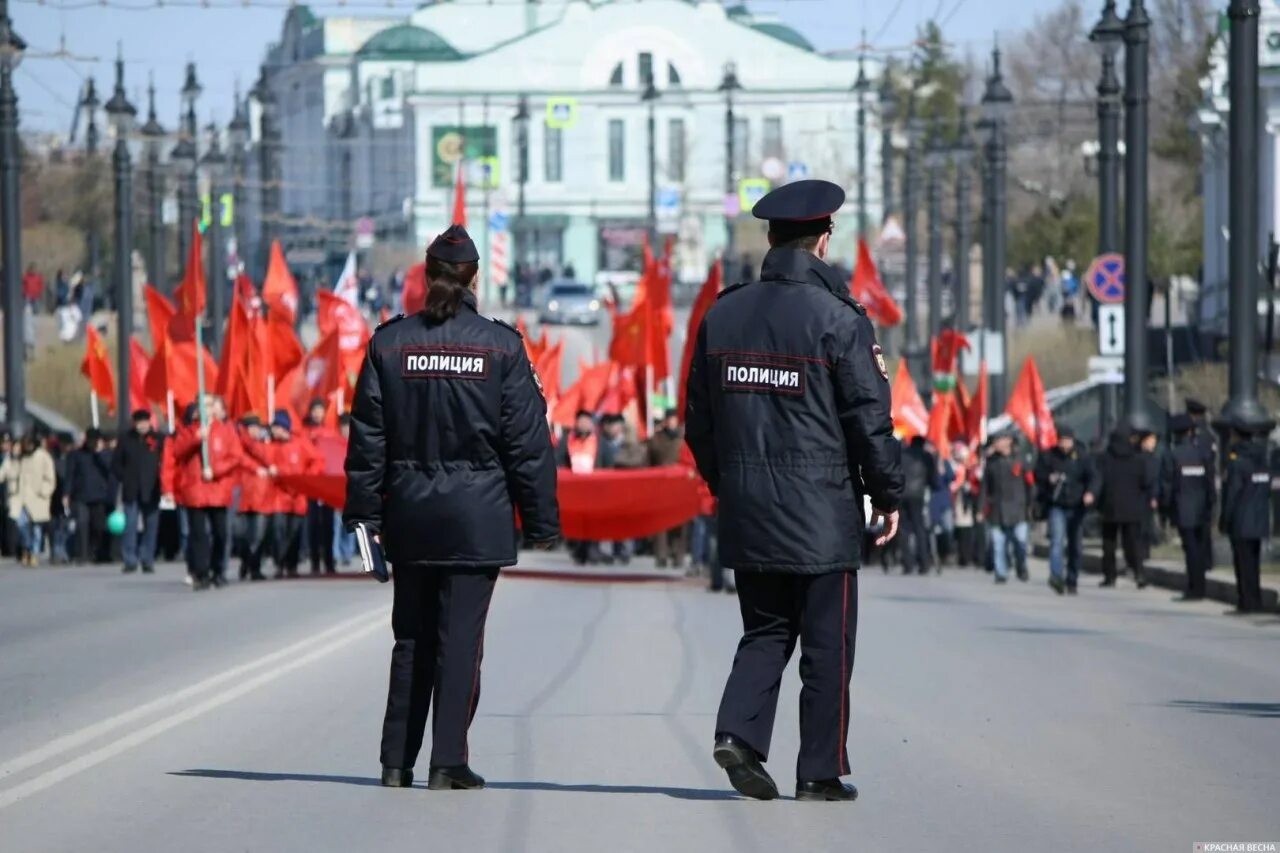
[
  {"x": 977, "y": 510},
  {"x": 211, "y": 488}
]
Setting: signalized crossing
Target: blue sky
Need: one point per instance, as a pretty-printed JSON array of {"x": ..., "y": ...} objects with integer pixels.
[{"x": 228, "y": 38}]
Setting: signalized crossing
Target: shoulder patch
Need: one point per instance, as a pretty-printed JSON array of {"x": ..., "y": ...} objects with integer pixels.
[
  {"x": 731, "y": 288},
  {"x": 852, "y": 303},
  {"x": 508, "y": 327},
  {"x": 389, "y": 321}
]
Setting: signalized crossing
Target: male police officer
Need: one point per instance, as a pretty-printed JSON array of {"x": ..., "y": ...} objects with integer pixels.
[
  {"x": 448, "y": 435},
  {"x": 1191, "y": 495},
  {"x": 1203, "y": 433},
  {"x": 788, "y": 420},
  {"x": 1245, "y": 514}
]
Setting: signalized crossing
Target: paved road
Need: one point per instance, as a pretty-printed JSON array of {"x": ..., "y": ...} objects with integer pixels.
[{"x": 138, "y": 716}]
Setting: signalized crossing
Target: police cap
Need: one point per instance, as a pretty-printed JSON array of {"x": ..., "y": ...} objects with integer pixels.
[
  {"x": 454, "y": 246},
  {"x": 800, "y": 208},
  {"x": 1195, "y": 407},
  {"x": 1181, "y": 424}
]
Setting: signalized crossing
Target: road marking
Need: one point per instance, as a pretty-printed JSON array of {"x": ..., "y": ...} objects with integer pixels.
[
  {"x": 70, "y": 741},
  {"x": 78, "y": 765}
]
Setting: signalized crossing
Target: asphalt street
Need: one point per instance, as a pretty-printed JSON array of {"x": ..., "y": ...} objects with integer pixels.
[{"x": 136, "y": 716}]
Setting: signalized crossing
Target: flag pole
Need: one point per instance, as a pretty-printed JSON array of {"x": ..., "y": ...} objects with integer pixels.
[
  {"x": 93, "y": 407},
  {"x": 169, "y": 409},
  {"x": 271, "y": 396},
  {"x": 204, "y": 437}
]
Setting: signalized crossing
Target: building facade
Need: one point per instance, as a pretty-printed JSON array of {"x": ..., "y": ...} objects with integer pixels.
[{"x": 546, "y": 110}]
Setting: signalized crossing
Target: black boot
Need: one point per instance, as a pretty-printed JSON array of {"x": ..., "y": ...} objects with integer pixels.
[
  {"x": 459, "y": 778},
  {"x": 394, "y": 777},
  {"x": 826, "y": 791},
  {"x": 746, "y": 774}
]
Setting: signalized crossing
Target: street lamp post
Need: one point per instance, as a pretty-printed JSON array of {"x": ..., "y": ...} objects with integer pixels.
[
  {"x": 1136, "y": 36},
  {"x": 996, "y": 103},
  {"x": 860, "y": 88},
  {"x": 650, "y": 97},
  {"x": 961, "y": 155},
  {"x": 153, "y": 132},
  {"x": 215, "y": 163},
  {"x": 729, "y": 84},
  {"x": 185, "y": 158},
  {"x": 888, "y": 114},
  {"x": 522, "y": 174},
  {"x": 1242, "y": 218},
  {"x": 238, "y": 138},
  {"x": 268, "y": 167},
  {"x": 89, "y": 106},
  {"x": 935, "y": 160},
  {"x": 15, "y": 386},
  {"x": 121, "y": 115},
  {"x": 912, "y": 350},
  {"x": 1108, "y": 35}
]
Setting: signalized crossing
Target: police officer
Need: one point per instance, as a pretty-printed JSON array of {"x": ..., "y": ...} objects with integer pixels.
[
  {"x": 1201, "y": 431},
  {"x": 448, "y": 437},
  {"x": 788, "y": 421},
  {"x": 1191, "y": 498},
  {"x": 1245, "y": 490}
]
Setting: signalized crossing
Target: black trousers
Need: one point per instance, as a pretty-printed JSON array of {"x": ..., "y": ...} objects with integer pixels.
[
  {"x": 1246, "y": 554},
  {"x": 252, "y": 534},
  {"x": 320, "y": 536},
  {"x": 969, "y": 550},
  {"x": 1131, "y": 539},
  {"x": 1197, "y": 548},
  {"x": 914, "y": 535},
  {"x": 208, "y": 540},
  {"x": 92, "y": 545},
  {"x": 438, "y": 618},
  {"x": 286, "y": 542},
  {"x": 821, "y": 611}
]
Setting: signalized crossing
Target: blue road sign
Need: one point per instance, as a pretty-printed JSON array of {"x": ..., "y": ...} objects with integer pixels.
[{"x": 1105, "y": 278}]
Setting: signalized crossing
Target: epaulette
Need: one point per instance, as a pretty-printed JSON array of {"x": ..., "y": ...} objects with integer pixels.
[
  {"x": 508, "y": 326},
  {"x": 852, "y": 303},
  {"x": 389, "y": 321},
  {"x": 731, "y": 288}
]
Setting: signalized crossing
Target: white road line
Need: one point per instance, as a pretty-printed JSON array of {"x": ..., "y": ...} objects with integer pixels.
[
  {"x": 78, "y": 738},
  {"x": 142, "y": 735}
]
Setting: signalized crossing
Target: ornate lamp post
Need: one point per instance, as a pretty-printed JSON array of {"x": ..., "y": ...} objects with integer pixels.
[
  {"x": 1108, "y": 35},
  {"x": 185, "y": 157},
  {"x": 997, "y": 101},
  {"x": 1136, "y": 37},
  {"x": 238, "y": 139},
  {"x": 961, "y": 155},
  {"x": 650, "y": 96},
  {"x": 912, "y": 349},
  {"x": 11, "y": 48},
  {"x": 861, "y": 86},
  {"x": 729, "y": 84},
  {"x": 522, "y": 175},
  {"x": 888, "y": 114},
  {"x": 935, "y": 158},
  {"x": 121, "y": 114},
  {"x": 215, "y": 163},
  {"x": 153, "y": 133},
  {"x": 89, "y": 104}
]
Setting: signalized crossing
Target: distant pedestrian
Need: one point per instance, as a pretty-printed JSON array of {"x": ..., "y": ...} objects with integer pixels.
[
  {"x": 257, "y": 503},
  {"x": 1006, "y": 500},
  {"x": 1244, "y": 510},
  {"x": 1064, "y": 480},
  {"x": 91, "y": 494},
  {"x": 918, "y": 471},
  {"x": 30, "y": 480},
  {"x": 33, "y": 288},
  {"x": 1124, "y": 500},
  {"x": 665, "y": 445},
  {"x": 210, "y": 455},
  {"x": 137, "y": 463},
  {"x": 1191, "y": 497},
  {"x": 319, "y": 515}
]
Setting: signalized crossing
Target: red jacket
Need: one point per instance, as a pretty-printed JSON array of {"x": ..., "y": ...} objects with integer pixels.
[
  {"x": 33, "y": 286},
  {"x": 225, "y": 458},
  {"x": 256, "y": 489},
  {"x": 295, "y": 456}
]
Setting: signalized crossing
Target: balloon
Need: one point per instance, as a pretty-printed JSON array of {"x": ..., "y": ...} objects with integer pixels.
[{"x": 115, "y": 523}]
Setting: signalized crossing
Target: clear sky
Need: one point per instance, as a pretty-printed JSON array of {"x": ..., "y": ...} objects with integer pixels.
[{"x": 226, "y": 38}]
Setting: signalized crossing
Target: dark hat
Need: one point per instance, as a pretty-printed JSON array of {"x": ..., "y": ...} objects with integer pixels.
[
  {"x": 283, "y": 421},
  {"x": 583, "y": 413},
  {"x": 189, "y": 416},
  {"x": 671, "y": 413},
  {"x": 800, "y": 208},
  {"x": 1181, "y": 423},
  {"x": 318, "y": 401},
  {"x": 141, "y": 415},
  {"x": 1066, "y": 432},
  {"x": 91, "y": 435},
  {"x": 1247, "y": 426},
  {"x": 1195, "y": 407},
  {"x": 454, "y": 246},
  {"x": 251, "y": 420}
]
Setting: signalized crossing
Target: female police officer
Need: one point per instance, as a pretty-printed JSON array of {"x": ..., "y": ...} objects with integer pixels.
[{"x": 448, "y": 434}]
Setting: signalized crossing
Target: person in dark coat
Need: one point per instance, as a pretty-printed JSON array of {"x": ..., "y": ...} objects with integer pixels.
[
  {"x": 1124, "y": 500},
  {"x": 1064, "y": 482},
  {"x": 1202, "y": 433},
  {"x": 136, "y": 464},
  {"x": 670, "y": 547},
  {"x": 448, "y": 440},
  {"x": 1244, "y": 510},
  {"x": 1191, "y": 496},
  {"x": 788, "y": 421},
  {"x": 91, "y": 493},
  {"x": 1006, "y": 502},
  {"x": 918, "y": 471}
]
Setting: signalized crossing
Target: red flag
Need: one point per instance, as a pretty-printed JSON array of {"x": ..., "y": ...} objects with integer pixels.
[
  {"x": 173, "y": 368},
  {"x": 640, "y": 336},
  {"x": 548, "y": 368},
  {"x": 1029, "y": 408},
  {"x": 585, "y": 394},
  {"x": 322, "y": 370},
  {"x": 279, "y": 289},
  {"x": 282, "y": 351},
  {"x": 620, "y": 392},
  {"x": 976, "y": 411},
  {"x": 191, "y": 293},
  {"x": 414, "y": 295},
  {"x": 910, "y": 417},
  {"x": 942, "y": 420},
  {"x": 459, "y": 197},
  {"x": 867, "y": 288},
  {"x": 139, "y": 363},
  {"x": 701, "y": 305},
  {"x": 336, "y": 314},
  {"x": 96, "y": 367},
  {"x": 946, "y": 349},
  {"x": 160, "y": 316},
  {"x": 248, "y": 292},
  {"x": 235, "y": 346}
]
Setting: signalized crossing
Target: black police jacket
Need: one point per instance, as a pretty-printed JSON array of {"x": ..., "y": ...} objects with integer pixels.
[
  {"x": 448, "y": 434},
  {"x": 1126, "y": 487},
  {"x": 788, "y": 419},
  {"x": 1063, "y": 478},
  {"x": 1191, "y": 483},
  {"x": 1246, "y": 492}
]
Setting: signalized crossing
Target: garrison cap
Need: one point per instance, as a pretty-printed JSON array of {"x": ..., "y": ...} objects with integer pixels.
[
  {"x": 1195, "y": 407},
  {"x": 1180, "y": 424},
  {"x": 140, "y": 415},
  {"x": 454, "y": 246},
  {"x": 800, "y": 208}
]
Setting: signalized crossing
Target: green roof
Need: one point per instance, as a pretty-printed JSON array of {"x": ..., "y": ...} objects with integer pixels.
[
  {"x": 408, "y": 43},
  {"x": 784, "y": 33}
]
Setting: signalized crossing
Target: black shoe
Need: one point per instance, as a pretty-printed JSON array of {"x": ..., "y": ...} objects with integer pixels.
[
  {"x": 199, "y": 585},
  {"x": 826, "y": 791},
  {"x": 1057, "y": 585},
  {"x": 148, "y": 570},
  {"x": 257, "y": 576},
  {"x": 1071, "y": 589},
  {"x": 218, "y": 581},
  {"x": 746, "y": 774},
  {"x": 1140, "y": 578},
  {"x": 731, "y": 589},
  {"x": 394, "y": 777},
  {"x": 1188, "y": 597},
  {"x": 460, "y": 778},
  {"x": 1108, "y": 582},
  {"x": 1001, "y": 580},
  {"x": 1022, "y": 575},
  {"x": 128, "y": 569}
]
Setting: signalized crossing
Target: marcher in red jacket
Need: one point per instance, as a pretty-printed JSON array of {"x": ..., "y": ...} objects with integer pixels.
[
  {"x": 208, "y": 490},
  {"x": 290, "y": 453},
  {"x": 256, "y": 499},
  {"x": 319, "y": 516}
]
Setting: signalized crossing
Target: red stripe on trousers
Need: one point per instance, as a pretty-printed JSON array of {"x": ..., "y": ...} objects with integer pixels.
[{"x": 844, "y": 687}]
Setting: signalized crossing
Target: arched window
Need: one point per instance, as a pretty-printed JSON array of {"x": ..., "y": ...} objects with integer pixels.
[
  {"x": 615, "y": 79},
  {"x": 673, "y": 76}
]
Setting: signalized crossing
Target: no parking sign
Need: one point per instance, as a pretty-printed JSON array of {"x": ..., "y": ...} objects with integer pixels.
[{"x": 1105, "y": 278}]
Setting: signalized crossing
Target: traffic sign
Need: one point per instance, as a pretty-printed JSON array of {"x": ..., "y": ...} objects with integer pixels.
[
  {"x": 562, "y": 113},
  {"x": 1111, "y": 330},
  {"x": 499, "y": 220},
  {"x": 366, "y": 228},
  {"x": 797, "y": 171},
  {"x": 1105, "y": 278},
  {"x": 667, "y": 210},
  {"x": 750, "y": 191}
]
